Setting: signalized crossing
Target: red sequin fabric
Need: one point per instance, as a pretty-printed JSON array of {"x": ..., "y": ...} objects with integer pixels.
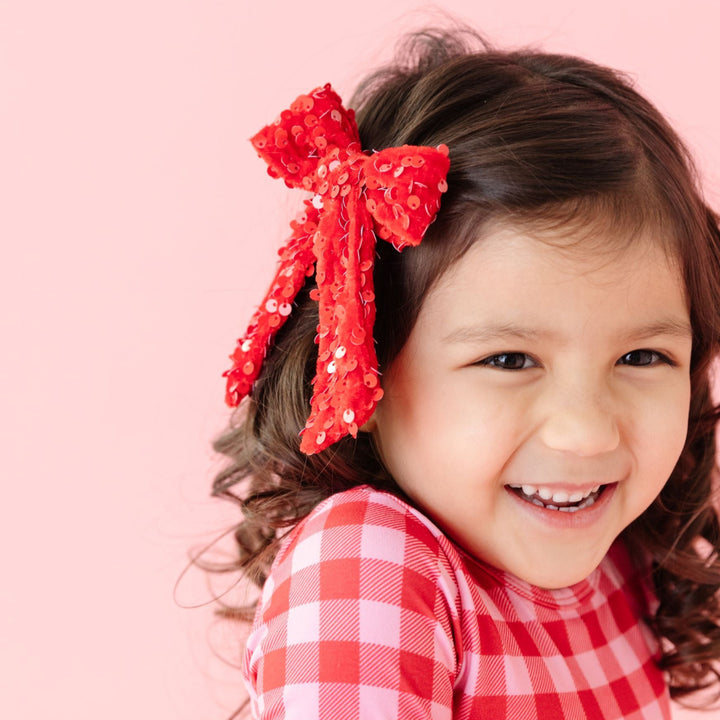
[{"x": 393, "y": 194}]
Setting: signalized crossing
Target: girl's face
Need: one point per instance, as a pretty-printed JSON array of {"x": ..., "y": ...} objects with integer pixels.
[{"x": 541, "y": 400}]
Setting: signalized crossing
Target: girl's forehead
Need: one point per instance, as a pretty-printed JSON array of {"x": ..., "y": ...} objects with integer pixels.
[
  {"x": 521, "y": 264},
  {"x": 587, "y": 249}
]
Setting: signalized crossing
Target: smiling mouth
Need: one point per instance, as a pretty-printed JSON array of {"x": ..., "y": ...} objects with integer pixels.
[{"x": 558, "y": 500}]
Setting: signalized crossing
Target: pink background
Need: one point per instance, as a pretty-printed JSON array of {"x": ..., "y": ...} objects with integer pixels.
[{"x": 138, "y": 231}]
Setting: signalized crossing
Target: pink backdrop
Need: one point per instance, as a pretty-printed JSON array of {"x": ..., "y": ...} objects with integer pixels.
[{"x": 138, "y": 231}]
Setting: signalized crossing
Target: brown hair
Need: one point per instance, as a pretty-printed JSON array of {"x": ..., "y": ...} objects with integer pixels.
[{"x": 537, "y": 138}]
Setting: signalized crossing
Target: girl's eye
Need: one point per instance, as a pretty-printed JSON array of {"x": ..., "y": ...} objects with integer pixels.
[
  {"x": 509, "y": 361},
  {"x": 643, "y": 358}
]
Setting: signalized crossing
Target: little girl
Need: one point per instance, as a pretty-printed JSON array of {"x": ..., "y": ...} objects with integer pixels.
[{"x": 476, "y": 472}]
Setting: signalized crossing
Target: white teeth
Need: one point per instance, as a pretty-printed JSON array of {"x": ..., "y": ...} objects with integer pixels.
[
  {"x": 549, "y": 499},
  {"x": 558, "y": 496}
]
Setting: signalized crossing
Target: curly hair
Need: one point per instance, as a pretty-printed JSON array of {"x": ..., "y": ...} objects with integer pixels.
[{"x": 535, "y": 138}]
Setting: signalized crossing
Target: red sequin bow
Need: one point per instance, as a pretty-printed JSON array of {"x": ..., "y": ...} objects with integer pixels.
[{"x": 394, "y": 194}]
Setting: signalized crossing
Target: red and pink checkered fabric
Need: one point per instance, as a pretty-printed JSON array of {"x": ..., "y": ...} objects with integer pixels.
[{"x": 371, "y": 612}]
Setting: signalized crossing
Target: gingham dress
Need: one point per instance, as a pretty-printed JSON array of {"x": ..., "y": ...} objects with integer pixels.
[{"x": 371, "y": 612}]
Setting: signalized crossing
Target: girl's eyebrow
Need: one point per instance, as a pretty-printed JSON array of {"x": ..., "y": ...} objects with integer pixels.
[
  {"x": 497, "y": 331},
  {"x": 673, "y": 327}
]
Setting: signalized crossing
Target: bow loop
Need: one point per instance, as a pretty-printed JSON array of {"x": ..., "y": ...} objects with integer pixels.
[
  {"x": 313, "y": 126},
  {"x": 403, "y": 190}
]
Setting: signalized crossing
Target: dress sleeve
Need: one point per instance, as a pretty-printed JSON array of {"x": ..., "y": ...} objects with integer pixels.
[{"x": 357, "y": 619}]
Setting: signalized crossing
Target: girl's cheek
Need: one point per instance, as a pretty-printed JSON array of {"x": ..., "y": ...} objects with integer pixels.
[{"x": 660, "y": 422}]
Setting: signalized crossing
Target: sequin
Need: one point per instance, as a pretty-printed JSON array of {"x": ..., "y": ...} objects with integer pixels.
[
  {"x": 341, "y": 352},
  {"x": 370, "y": 380},
  {"x": 281, "y": 137},
  {"x": 271, "y": 305},
  {"x": 348, "y": 416},
  {"x": 285, "y": 309},
  {"x": 248, "y": 367},
  {"x": 307, "y": 103}
]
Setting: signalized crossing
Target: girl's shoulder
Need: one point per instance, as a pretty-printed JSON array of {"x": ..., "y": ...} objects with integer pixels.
[
  {"x": 366, "y": 523},
  {"x": 364, "y": 544},
  {"x": 361, "y": 596}
]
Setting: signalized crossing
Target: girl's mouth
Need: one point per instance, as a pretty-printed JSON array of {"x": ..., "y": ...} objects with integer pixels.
[{"x": 560, "y": 500}]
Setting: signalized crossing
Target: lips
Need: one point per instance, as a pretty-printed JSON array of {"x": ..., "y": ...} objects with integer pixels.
[{"x": 560, "y": 500}]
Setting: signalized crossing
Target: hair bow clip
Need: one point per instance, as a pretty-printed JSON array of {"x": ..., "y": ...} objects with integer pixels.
[{"x": 393, "y": 194}]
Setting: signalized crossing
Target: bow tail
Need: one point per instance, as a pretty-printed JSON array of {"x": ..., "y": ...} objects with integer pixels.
[
  {"x": 346, "y": 386},
  {"x": 296, "y": 263}
]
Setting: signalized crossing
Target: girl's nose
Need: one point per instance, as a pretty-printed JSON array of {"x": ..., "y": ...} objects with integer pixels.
[{"x": 581, "y": 423}]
